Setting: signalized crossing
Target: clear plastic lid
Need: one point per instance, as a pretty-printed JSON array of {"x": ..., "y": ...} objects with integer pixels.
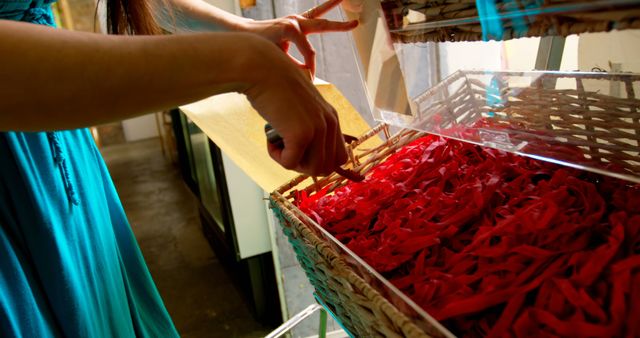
[{"x": 469, "y": 91}]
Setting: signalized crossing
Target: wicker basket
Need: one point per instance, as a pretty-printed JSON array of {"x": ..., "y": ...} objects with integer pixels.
[
  {"x": 363, "y": 301},
  {"x": 460, "y": 20},
  {"x": 535, "y": 117}
]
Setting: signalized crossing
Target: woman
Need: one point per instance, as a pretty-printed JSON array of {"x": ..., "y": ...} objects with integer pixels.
[{"x": 69, "y": 264}]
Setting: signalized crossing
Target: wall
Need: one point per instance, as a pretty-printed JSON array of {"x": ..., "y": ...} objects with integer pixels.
[
  {"x": 616, "y": 51},
  {"x": 82, "y": 13},
  {"x": 139, "y": 128},
  {"x": 617, "y": 47},
  {"x": 228, "y": 5}
]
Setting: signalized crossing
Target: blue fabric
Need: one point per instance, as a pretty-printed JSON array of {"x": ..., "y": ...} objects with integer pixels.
[{"x": 69, "y": 263}]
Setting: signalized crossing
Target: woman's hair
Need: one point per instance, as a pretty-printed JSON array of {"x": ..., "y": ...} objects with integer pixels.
[{"x": 133, "y": 17}]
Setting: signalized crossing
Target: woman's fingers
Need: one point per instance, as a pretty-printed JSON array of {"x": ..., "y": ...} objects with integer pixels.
[
  {"x": 328, "y": 150},
  {"x": 340, "y": 156},
  {"x": 300, "y": 27},
  {"x": 331, "y": 142},
  {"x": 312, "y": 142},
  {"x": 299, "y": 38},
  {"x": 295, "y": 28},
  {"x": 293, "y": 153},
  {"x": 285, "y": 48},
  {"x": 348, "y": 138},
  {"x": 315, "y": 150},
  {"x": 310, "y": 26},
  {"x": 284, "y": 45},
  {"x": 321, "y": 9},
  {"x": 316, "y": 156}
]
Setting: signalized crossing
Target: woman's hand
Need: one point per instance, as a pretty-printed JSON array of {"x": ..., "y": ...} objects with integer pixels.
[
  {"x": 295, "y": 28},
  {"x": 284, "y": 96},
  {"x": 278, "y": 89}
]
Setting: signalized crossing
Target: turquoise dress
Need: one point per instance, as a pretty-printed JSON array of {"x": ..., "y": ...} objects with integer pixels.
[{"x": 69, "y": 263}]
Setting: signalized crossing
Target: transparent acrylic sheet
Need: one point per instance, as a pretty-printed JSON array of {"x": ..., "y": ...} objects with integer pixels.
[{"x": 410, "y": 86}]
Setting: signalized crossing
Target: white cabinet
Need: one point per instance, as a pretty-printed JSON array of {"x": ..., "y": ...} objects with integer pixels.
[{"x": 248, "y": 210}]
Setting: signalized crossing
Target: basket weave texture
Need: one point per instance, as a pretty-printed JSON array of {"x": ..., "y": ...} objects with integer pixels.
[
  {"x": 560, "y": 23},
  {"x": 607, "y": 129}
]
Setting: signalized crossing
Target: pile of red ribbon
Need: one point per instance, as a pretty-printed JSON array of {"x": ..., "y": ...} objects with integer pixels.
[{"x": 495, "y": 244}]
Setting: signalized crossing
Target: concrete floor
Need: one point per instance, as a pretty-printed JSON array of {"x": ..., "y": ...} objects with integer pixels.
[{"x": 197, "y": 292}]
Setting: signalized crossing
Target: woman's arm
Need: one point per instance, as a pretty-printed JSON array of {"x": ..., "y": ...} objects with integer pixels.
[
  {"x": 197, "y": 15},
  {"x": 55, "y": 79}
]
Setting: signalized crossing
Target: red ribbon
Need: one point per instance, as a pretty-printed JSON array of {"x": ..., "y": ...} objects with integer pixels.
[{"x": 495, "y": 244}]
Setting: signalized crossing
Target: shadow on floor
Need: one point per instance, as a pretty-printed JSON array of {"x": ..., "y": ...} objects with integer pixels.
[{"x": 197, "y": 292}]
